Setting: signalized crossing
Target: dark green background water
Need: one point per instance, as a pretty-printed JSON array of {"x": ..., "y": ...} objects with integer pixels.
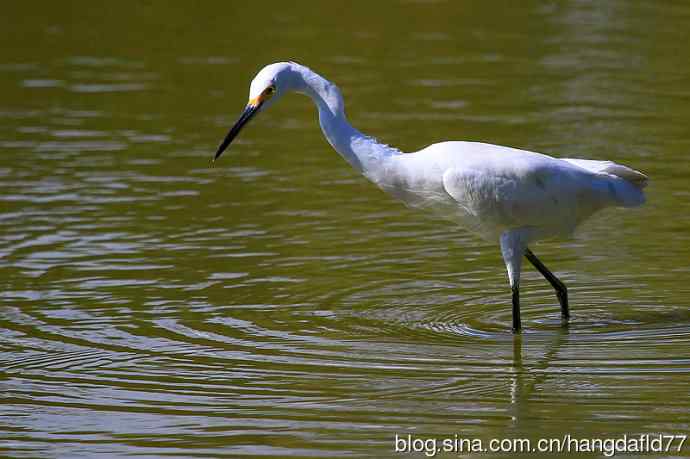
[{"x": 279, "y": 305}]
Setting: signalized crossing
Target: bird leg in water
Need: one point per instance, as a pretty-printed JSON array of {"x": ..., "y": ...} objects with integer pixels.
[
  {"x": 513, "y": 245},
  {"x": 561, "y": 290},
  {"x": 517, "y": 325}
]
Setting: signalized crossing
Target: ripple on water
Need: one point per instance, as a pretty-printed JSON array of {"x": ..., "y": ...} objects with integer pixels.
[
  {"x": 277, "y": 305},
  {"x": 311, "y": 339}
]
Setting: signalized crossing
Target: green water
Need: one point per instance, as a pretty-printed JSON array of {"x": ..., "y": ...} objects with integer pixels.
[{"x": 277, "y": 304}]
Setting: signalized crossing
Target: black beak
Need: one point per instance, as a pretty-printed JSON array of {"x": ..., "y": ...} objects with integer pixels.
[{"x": 248, "y": 113}]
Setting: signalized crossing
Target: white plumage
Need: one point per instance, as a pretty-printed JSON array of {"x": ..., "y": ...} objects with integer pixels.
[{"x": 503, "y": 194}]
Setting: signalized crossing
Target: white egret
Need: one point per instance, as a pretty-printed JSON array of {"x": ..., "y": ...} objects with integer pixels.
[{"x": 504, "y": 194}]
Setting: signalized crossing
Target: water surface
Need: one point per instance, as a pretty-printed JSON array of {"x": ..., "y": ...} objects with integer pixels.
[{"x": 277, "y": 304}]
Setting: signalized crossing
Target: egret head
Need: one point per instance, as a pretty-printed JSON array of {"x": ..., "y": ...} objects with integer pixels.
[{"x": 268, "y": 85}]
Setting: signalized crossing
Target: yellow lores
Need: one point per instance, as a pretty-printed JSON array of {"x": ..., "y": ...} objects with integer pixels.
[{"x": 264, "y": 96}]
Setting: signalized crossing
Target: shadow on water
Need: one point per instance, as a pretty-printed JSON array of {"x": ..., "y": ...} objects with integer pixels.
[{"x": 528, "y": 378}]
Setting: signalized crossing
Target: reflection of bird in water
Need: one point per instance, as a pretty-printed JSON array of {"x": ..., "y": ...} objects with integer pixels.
[{"x": 505, "y": 194}]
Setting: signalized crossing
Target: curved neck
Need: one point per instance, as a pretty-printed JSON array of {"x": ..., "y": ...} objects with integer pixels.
[{"x": 364, "y": 153}]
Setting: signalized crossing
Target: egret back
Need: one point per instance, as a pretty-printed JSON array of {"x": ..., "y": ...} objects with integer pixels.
[{"x": 490, "y": 189}]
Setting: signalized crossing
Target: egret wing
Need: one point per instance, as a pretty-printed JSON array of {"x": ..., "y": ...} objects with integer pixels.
[{"x": 493, "y": 201}]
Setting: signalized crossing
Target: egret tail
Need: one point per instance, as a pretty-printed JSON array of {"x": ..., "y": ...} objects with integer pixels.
[{"x": 625, "y": 185}]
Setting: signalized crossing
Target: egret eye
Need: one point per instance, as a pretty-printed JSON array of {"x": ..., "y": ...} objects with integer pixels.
[{"x": 270, "y": 90}]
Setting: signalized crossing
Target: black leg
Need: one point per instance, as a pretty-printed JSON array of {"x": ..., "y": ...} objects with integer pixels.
[
  {"x": 561, "y": 290},
  {"x": 516, "y": 309}
]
